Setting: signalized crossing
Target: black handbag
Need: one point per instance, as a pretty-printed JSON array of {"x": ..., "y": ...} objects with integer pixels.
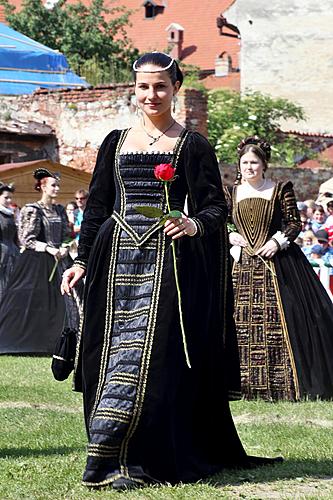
[{"x": 64, "y": 354}]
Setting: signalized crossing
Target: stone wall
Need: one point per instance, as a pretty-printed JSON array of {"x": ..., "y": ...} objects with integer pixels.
[
  {"x": 306, "y": 181},
  {"x": 287, "y": 51},
  {"x": 81, "y": 118}
]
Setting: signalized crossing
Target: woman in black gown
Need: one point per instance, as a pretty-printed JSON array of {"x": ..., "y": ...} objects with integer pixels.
[
  {"x": 149, "y": 417},
  {"x": 284, "y": 317},
  {"x": 9, "y": 246},
  {"x": 32, "y": 311}
]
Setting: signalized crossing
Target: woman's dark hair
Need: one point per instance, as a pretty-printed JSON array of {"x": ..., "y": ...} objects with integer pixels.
[
  {"x": 163, "y": 61},
  {"x": 260, "y": 147},
  {"x": 6, "y": 187},
  {"x": 253, "y": 148}
]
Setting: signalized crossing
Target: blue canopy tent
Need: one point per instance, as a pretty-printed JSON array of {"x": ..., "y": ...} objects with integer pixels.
[{"x": 26, "y": 65}]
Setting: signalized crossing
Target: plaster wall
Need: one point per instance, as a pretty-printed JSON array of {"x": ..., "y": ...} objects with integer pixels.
[{"x": 287, "y": 51}]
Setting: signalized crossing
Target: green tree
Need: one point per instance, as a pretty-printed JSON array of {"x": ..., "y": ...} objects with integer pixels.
[
  {"x": 93, "y": 37},
  {"x": 233, "y": 116}
]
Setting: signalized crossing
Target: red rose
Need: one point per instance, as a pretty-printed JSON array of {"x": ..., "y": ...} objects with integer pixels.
[{"x": 164, "y": 172}]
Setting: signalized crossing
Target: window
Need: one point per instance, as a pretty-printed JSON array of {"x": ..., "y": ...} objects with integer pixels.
[
  {"x": 149, "y": 10},
  {"x": 152, "y": 9}
]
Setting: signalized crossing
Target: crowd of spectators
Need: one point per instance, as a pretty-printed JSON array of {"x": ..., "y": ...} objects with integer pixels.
[{"x": 316, "y": 236}]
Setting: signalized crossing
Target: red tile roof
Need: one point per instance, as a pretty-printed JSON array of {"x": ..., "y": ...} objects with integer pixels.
[{"x": 202, "y": 40}]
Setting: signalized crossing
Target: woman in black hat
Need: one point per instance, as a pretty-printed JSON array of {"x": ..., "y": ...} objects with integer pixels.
[
  {"x": 9, "y": 247},
  {"x": 33, "y": 310}
]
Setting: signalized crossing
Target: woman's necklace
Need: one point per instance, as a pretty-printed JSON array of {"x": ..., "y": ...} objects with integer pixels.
[
  {"x": 258, "y": 188},
  {"x": 155, "y": 139}
]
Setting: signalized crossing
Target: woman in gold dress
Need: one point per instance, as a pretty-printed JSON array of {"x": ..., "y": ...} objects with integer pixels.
[{"x": 283, "y": 314}]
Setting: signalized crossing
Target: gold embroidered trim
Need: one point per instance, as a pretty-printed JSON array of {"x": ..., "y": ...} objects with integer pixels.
[
  {"x": 112, "y": 411},
  {"x": 127, "y": 346},
  {"x": 133, "y": 279},
  {"x": 112, "y": 479},
  {"x": 139, "y": 240},
  {"x": 124, "y": 377},
  {"x": 132, "y": 314},
  {"x": 129, "y": 244},
  {"x": 255, "y": 231},
  {"x": 110, "y": 292},
  {"x": 102, "y": 447}
]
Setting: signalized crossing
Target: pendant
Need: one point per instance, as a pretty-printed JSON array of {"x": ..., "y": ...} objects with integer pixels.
[{"x": 153, "y": 141}]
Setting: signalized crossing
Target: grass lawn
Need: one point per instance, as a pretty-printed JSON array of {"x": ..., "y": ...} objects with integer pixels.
[{"x": 42, "y": 445}]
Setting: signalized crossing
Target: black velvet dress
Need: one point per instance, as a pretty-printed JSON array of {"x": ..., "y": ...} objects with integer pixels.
[
  {"x": 284, "y": 317},
  {"x": 9, "y": 247},
  {"x": 32, "y": 311},
  {"x": 147, "y": 414}
]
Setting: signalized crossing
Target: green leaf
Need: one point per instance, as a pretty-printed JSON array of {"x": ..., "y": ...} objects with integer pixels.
[
  {"x": 175, "y": 214},
  {"x": 151, "y": 212}
]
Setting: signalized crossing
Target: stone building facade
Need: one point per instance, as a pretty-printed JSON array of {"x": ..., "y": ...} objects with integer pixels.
[{"x": 287, "y": 51}]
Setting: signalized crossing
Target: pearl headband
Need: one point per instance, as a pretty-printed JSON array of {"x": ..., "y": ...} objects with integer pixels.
[{"x": 136, "y": 69}]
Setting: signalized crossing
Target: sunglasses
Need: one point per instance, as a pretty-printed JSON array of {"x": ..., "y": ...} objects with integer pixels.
[{"x": 78, "y": 198}]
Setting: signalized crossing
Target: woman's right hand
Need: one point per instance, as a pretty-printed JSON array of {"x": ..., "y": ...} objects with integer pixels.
[
  {"x": 70, "y": 277},
  {"x": 237, "y": 239}
]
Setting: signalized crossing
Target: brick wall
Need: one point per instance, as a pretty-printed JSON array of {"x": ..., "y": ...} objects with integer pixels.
[{"x": 81, "y": 118}]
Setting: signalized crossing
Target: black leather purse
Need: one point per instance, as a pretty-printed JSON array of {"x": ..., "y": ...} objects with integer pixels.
[{"x": 64, "y": 354}]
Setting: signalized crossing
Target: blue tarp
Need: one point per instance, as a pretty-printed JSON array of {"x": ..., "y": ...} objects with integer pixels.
[{"x": 26, "y": 65}]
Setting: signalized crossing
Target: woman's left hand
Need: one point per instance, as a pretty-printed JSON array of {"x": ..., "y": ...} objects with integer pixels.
[
  {"x": 268, "y": 250},
  {"x": 176, "y": 228}
]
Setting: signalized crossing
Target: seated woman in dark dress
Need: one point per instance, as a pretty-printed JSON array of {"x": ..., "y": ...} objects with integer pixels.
[
  {"x": 149, "y": 416},
  {"x": 283, "y": 314}
]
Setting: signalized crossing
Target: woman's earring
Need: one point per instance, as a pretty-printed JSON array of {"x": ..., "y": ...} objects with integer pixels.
[
  {"x": 134, "y": 103},
  {"x": 238, "y": 177},
  {"x": 174, "y": 101}
]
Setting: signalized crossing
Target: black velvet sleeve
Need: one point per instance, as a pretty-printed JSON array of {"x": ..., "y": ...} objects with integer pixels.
[
  {"x": 206, "y": 200},
  {"x": 291, "y": 218},
  {"x": 101, "y": 197}
]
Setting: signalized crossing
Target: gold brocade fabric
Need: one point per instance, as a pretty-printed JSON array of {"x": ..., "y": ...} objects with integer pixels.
[
  {"x": 253, "y": 218},
  {"x": 266, "y": 359},
  {"x": 264, "y": 351}
]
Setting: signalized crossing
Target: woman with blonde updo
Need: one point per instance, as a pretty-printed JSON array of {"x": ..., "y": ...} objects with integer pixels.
[{"x": 283, "y": 314}]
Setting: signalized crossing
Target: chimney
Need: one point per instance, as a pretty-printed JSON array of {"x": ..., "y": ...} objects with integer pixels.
[{"x": 175, "y": 40}]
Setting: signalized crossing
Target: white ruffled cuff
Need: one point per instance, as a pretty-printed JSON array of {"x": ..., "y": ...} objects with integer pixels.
[
  {"x": 40, "y": 246},
  {"x": 281, "y": 240}
]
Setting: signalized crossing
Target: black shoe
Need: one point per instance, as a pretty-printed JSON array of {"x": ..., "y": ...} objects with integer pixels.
[{"x": 126, "y": 483}]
